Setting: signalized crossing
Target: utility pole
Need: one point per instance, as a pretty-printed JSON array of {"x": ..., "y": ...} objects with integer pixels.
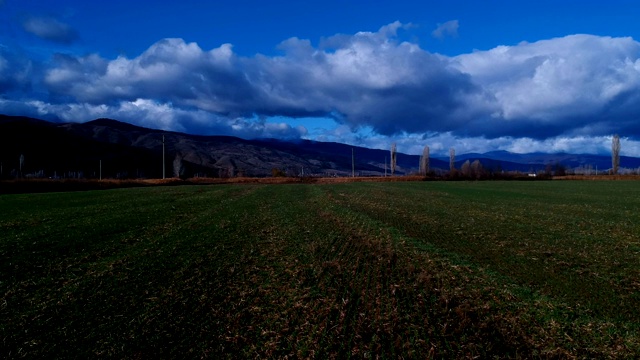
[
  {"x": 100, "y": 169},
  {"x": 353, "y": 164},
  {"x": 163, "y": 157}
]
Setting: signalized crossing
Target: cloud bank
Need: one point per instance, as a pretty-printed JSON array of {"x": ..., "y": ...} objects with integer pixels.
[{"x": 578, "y": 86}]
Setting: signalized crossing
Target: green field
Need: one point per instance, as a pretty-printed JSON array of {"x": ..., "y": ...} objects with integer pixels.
[{"x": 547, "y": 269}]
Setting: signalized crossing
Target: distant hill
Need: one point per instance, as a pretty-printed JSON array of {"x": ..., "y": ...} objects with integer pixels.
[
  {"x": 122, "y": 150},
  {"x": 129, "y": 151}
]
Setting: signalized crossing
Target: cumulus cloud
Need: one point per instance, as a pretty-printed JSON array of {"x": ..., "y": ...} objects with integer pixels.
[
  {"x": 169, "y": 71},
  {"x": 577, "y": 85},
  {"x": 367, "y": 79},
  {"x": 49, "y": 28},
  {"x": 450, "y": 28}
]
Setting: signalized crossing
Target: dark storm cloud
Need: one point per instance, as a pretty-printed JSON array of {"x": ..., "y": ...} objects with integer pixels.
[{"x": 50, "y": 29}]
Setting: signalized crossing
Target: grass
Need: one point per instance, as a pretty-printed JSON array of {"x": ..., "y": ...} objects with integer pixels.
[{"x": 413, "y": 270}]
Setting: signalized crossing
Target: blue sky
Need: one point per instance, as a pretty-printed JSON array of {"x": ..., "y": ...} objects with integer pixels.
[{"x": 473, "y": 75}]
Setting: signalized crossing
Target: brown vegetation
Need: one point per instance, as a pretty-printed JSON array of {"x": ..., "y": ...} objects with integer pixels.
[
  {"x": 597, "y": 177},
  {"x": 57, "y": 185}
]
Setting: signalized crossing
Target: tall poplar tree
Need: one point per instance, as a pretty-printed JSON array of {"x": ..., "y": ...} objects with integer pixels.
[{"x": 615, "y": 153}]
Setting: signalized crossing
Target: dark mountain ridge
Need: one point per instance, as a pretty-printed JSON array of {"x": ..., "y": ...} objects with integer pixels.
[{"x": 117, "y": 149}]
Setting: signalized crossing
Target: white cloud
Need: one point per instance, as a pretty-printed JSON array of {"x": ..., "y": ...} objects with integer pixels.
[
  {"x": 151, "y": 114},
  {"x": 561, "y": 85},
  {"x": 440, "y": 143}
]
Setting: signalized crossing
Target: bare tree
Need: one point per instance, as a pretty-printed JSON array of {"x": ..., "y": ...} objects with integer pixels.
[
  {"x": 477, "y": 169},
  {"x": 21, "y": 163},
  {"x": 178, "y": 166},
  {"x": 393, "y": 158},
  {"x": 353, "y": 164},
  {"x": 466, "y": 168},
  {"x": 163, "y": 162},
  {"x": 424, "y": 161},
  {"x": 615, "y": 154},
  {"x": 452, "y": 159}
]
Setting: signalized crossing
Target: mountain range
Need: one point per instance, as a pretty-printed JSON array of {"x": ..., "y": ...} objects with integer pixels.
[{"x": 112, "y": 149}]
